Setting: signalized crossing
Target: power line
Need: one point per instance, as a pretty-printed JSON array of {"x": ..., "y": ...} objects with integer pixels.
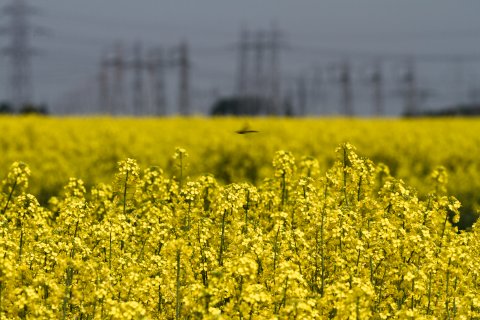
[
  {"x": 361, "y": 54},
  {"x": 128, "y": 24}
]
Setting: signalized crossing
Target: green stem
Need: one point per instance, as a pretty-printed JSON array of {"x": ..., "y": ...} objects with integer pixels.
[
  {"x": 322, "y": 254},
  {"x": 72, "y": 252},
  {"x": 359, "y": 188},
  {"x": 222, "y": 239},
  {"x": 413, "y": 290},
  {"x": 142, "y": 250},
  {"x": 21, "y": 245},
  {"x": 1, "y": 300},
  {"x": 110, "y": 248},
  {"x": 357, "y": 308},
  {"x": 315, "y": 274},
  {"x": 247, "y": 207},
  {"x": 159, "y": 307},
  {"x": 67, "y": 295},
  {"x": 102, "y": 309},
  {"x": 429, "y": 292},
  {"x": 177, "y": 291},
  {"x": 275, "y": 252},
  {"x": 345, "y": 175},
  {"x": 9, "y": 197},
  {"x": 342, "y": 232},
  {"x": 446, "y": 289},
  {"x": 204, "y": 259},
  {"x": 181, "y": 171},
  {"x": 370, "y": 264},
  {"x": 284, "y": 298},
  {"x": 125, "y": 193},
  {"x": 238, "y": 299},
  {"x": 454, "y": 307},
  {"x": 95, "y": 301},
  {"x": 443, "y": 233}
]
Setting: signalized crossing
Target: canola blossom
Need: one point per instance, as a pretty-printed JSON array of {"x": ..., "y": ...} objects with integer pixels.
[{"x": 347, "y": 242}]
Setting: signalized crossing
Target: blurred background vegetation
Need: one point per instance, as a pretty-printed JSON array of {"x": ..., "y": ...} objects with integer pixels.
[{"x": 241, "y": 149}]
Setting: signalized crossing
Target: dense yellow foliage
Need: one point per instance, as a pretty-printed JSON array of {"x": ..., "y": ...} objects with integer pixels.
[
  {"x": 59, "y": 148},
  {"x": 348, "y": 241}
]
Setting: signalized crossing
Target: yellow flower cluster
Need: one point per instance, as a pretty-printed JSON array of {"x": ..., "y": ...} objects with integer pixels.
[{"x": 351, "y": 242}]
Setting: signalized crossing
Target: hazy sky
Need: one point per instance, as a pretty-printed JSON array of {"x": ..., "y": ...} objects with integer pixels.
[{"x": 313, "y": 29}]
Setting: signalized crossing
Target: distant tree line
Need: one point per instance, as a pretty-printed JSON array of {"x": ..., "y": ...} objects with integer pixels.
[
  {"x": 29, "y": 108},
  {"x": 463, "y": 110},
  {"x": 249, "y": 106}
]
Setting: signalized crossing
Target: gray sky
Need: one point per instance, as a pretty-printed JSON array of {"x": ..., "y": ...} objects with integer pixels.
[{"x": 315, "y": 31}]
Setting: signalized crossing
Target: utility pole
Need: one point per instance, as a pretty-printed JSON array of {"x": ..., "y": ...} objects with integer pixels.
[
  {"x": 317, "y": 90},
  {"x": 259, "y": 47},
  {"x": 302, "y": 95},
  {"x": 410, "y": 88},
  {"x": 184, "y": 79},
  {"x": 289, "y": 108},
  {"x": 346, "y": 89},
  {"x": 156, "y": 69},
  {"x": 474, "y": 90},
  {"x": 459, "y": 66},
  {"x": 104, "y": 105},
  {"x": 19, "y": 51},
  {"x": 376, "y": 79},
  {"x": 243, "y": 83},
  {"x": 243, "y": 48},
  {"x": 137, "y": 84},
  {"x": 275, "y": 76},
  {"x": 118, "y": 64}
]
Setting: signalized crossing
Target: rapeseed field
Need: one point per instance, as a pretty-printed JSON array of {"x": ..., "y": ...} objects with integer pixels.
[
  {"x": 188, "y": 219},
  {"x": 89, "y": 148}
]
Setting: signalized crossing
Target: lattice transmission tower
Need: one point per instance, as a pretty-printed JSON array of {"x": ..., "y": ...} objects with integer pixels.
[{"x": 19, "y": 51}]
